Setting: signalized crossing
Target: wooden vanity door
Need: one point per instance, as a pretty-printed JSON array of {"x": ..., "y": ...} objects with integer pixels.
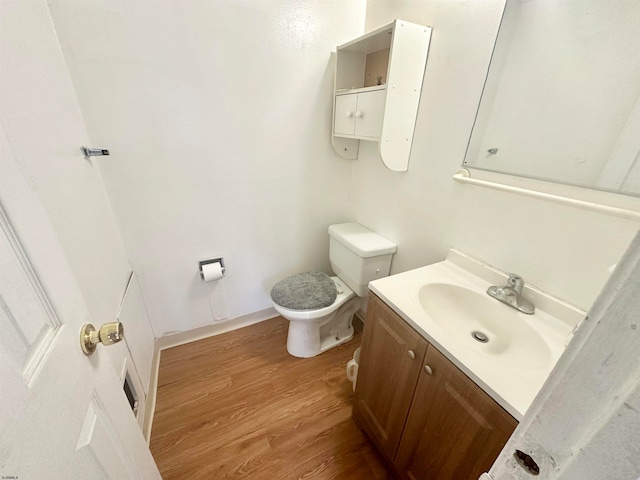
[
  {"x": 390, "y": 362},
  {"x": 454, "y": 430}
]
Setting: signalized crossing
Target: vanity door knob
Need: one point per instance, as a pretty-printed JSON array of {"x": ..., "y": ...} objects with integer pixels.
[
  {"x": 411, "y": 354},
  {"x": 428, "y": 370},
  {"x": 349, "y": 114},
  {"x": 359, "y": 114}
]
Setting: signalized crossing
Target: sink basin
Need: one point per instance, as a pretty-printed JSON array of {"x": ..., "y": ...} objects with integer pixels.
[{"x": 484, "y": 325}]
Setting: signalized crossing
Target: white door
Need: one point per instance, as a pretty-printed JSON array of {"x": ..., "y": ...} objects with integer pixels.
[{"x": 63, "y": 415}]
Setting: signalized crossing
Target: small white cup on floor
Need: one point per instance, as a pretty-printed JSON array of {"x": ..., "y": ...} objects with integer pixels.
[{"x": 352, "y": 368}]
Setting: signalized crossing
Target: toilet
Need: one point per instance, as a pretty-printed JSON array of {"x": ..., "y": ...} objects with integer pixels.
[{"x": 320, "y": 308}]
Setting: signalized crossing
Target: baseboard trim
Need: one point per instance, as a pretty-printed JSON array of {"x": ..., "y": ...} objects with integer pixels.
[{"x": 180, "y": 338}]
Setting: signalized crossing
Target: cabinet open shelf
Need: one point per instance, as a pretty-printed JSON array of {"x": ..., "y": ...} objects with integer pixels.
[{"x": 345, "y": 91}]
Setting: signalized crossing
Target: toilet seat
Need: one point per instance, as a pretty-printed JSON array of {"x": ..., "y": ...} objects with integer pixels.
[
  {"x": 305, "y": 291},
  {"x": 344, "y": 293}
]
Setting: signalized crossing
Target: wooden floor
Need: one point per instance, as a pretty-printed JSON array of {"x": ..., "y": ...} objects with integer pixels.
[{"x": 239, "y": 406}]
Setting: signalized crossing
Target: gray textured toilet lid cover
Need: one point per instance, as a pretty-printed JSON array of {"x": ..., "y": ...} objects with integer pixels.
[{"x": 305, "y": 291}]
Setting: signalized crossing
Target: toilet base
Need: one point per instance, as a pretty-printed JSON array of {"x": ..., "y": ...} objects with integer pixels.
[
  {"x": 333, "y": 341},
  {"x": 308, "y": 339},
  {"x": 307, "y": 343}
]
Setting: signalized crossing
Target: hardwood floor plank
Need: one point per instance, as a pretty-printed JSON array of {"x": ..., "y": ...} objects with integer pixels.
[{"x": 239, "y": 406}]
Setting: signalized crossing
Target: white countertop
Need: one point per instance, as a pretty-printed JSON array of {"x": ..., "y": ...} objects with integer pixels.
[{"x": 512, "y": 387}]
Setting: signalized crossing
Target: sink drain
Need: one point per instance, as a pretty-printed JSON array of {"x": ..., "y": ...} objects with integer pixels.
[{"x": 480, "y": 337}]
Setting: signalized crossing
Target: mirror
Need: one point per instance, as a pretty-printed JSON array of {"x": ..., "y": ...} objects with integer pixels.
[{"x": 561, "y": 101}]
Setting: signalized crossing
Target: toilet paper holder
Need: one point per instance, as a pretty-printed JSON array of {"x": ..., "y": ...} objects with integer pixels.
[{"x": 201, "y": 263}]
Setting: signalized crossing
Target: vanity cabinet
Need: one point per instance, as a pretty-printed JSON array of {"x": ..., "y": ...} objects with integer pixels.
[
  {"x": 428, "y": 419},
  {"x": 378, "y": 82}
]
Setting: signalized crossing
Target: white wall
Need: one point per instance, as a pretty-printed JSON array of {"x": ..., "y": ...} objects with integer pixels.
[
  {"x": 559, "y": 249},
  {"x": 217, "y": 115}
]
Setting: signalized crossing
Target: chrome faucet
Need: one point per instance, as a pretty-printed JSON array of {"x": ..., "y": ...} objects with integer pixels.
[{"x": 511, "y": 294}]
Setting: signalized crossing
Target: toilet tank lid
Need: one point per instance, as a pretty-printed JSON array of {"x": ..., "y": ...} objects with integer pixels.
[{"x": 361, "y": 240}]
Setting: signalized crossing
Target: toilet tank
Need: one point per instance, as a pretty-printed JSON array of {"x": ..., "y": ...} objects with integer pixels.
[{"x": 359, "y": 255}]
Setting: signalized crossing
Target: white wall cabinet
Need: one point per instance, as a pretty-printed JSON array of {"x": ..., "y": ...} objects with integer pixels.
[{"x": 377, "y": 91}]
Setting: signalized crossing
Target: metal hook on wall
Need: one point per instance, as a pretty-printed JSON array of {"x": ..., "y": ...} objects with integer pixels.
[{"x": 93, "y": 152}]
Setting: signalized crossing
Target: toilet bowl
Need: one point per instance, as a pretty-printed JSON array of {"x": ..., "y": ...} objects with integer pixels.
[
  {"x": 312, "y": 332},
  {"x": 320, "y": 308}
]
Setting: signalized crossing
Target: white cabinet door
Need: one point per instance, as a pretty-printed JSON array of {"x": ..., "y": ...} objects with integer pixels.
[
  {"x": 370, "y": 113},
  {"x": 345, "y": 120},
  {"x": 359, "y": 114}
]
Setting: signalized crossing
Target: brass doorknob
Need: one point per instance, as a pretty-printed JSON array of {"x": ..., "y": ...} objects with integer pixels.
[{"x": 108, "y": 334}]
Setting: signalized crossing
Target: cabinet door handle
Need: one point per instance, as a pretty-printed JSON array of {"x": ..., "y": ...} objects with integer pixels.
[
  {"x": 349, "y": 114},
  {"x": 411, "y": 354},
  {"x": 428, "y": 370},
  {"x": 359, "y": 114}
]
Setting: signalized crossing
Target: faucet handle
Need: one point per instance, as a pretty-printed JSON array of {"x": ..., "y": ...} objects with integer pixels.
[{"x": 516, "y": 282}]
